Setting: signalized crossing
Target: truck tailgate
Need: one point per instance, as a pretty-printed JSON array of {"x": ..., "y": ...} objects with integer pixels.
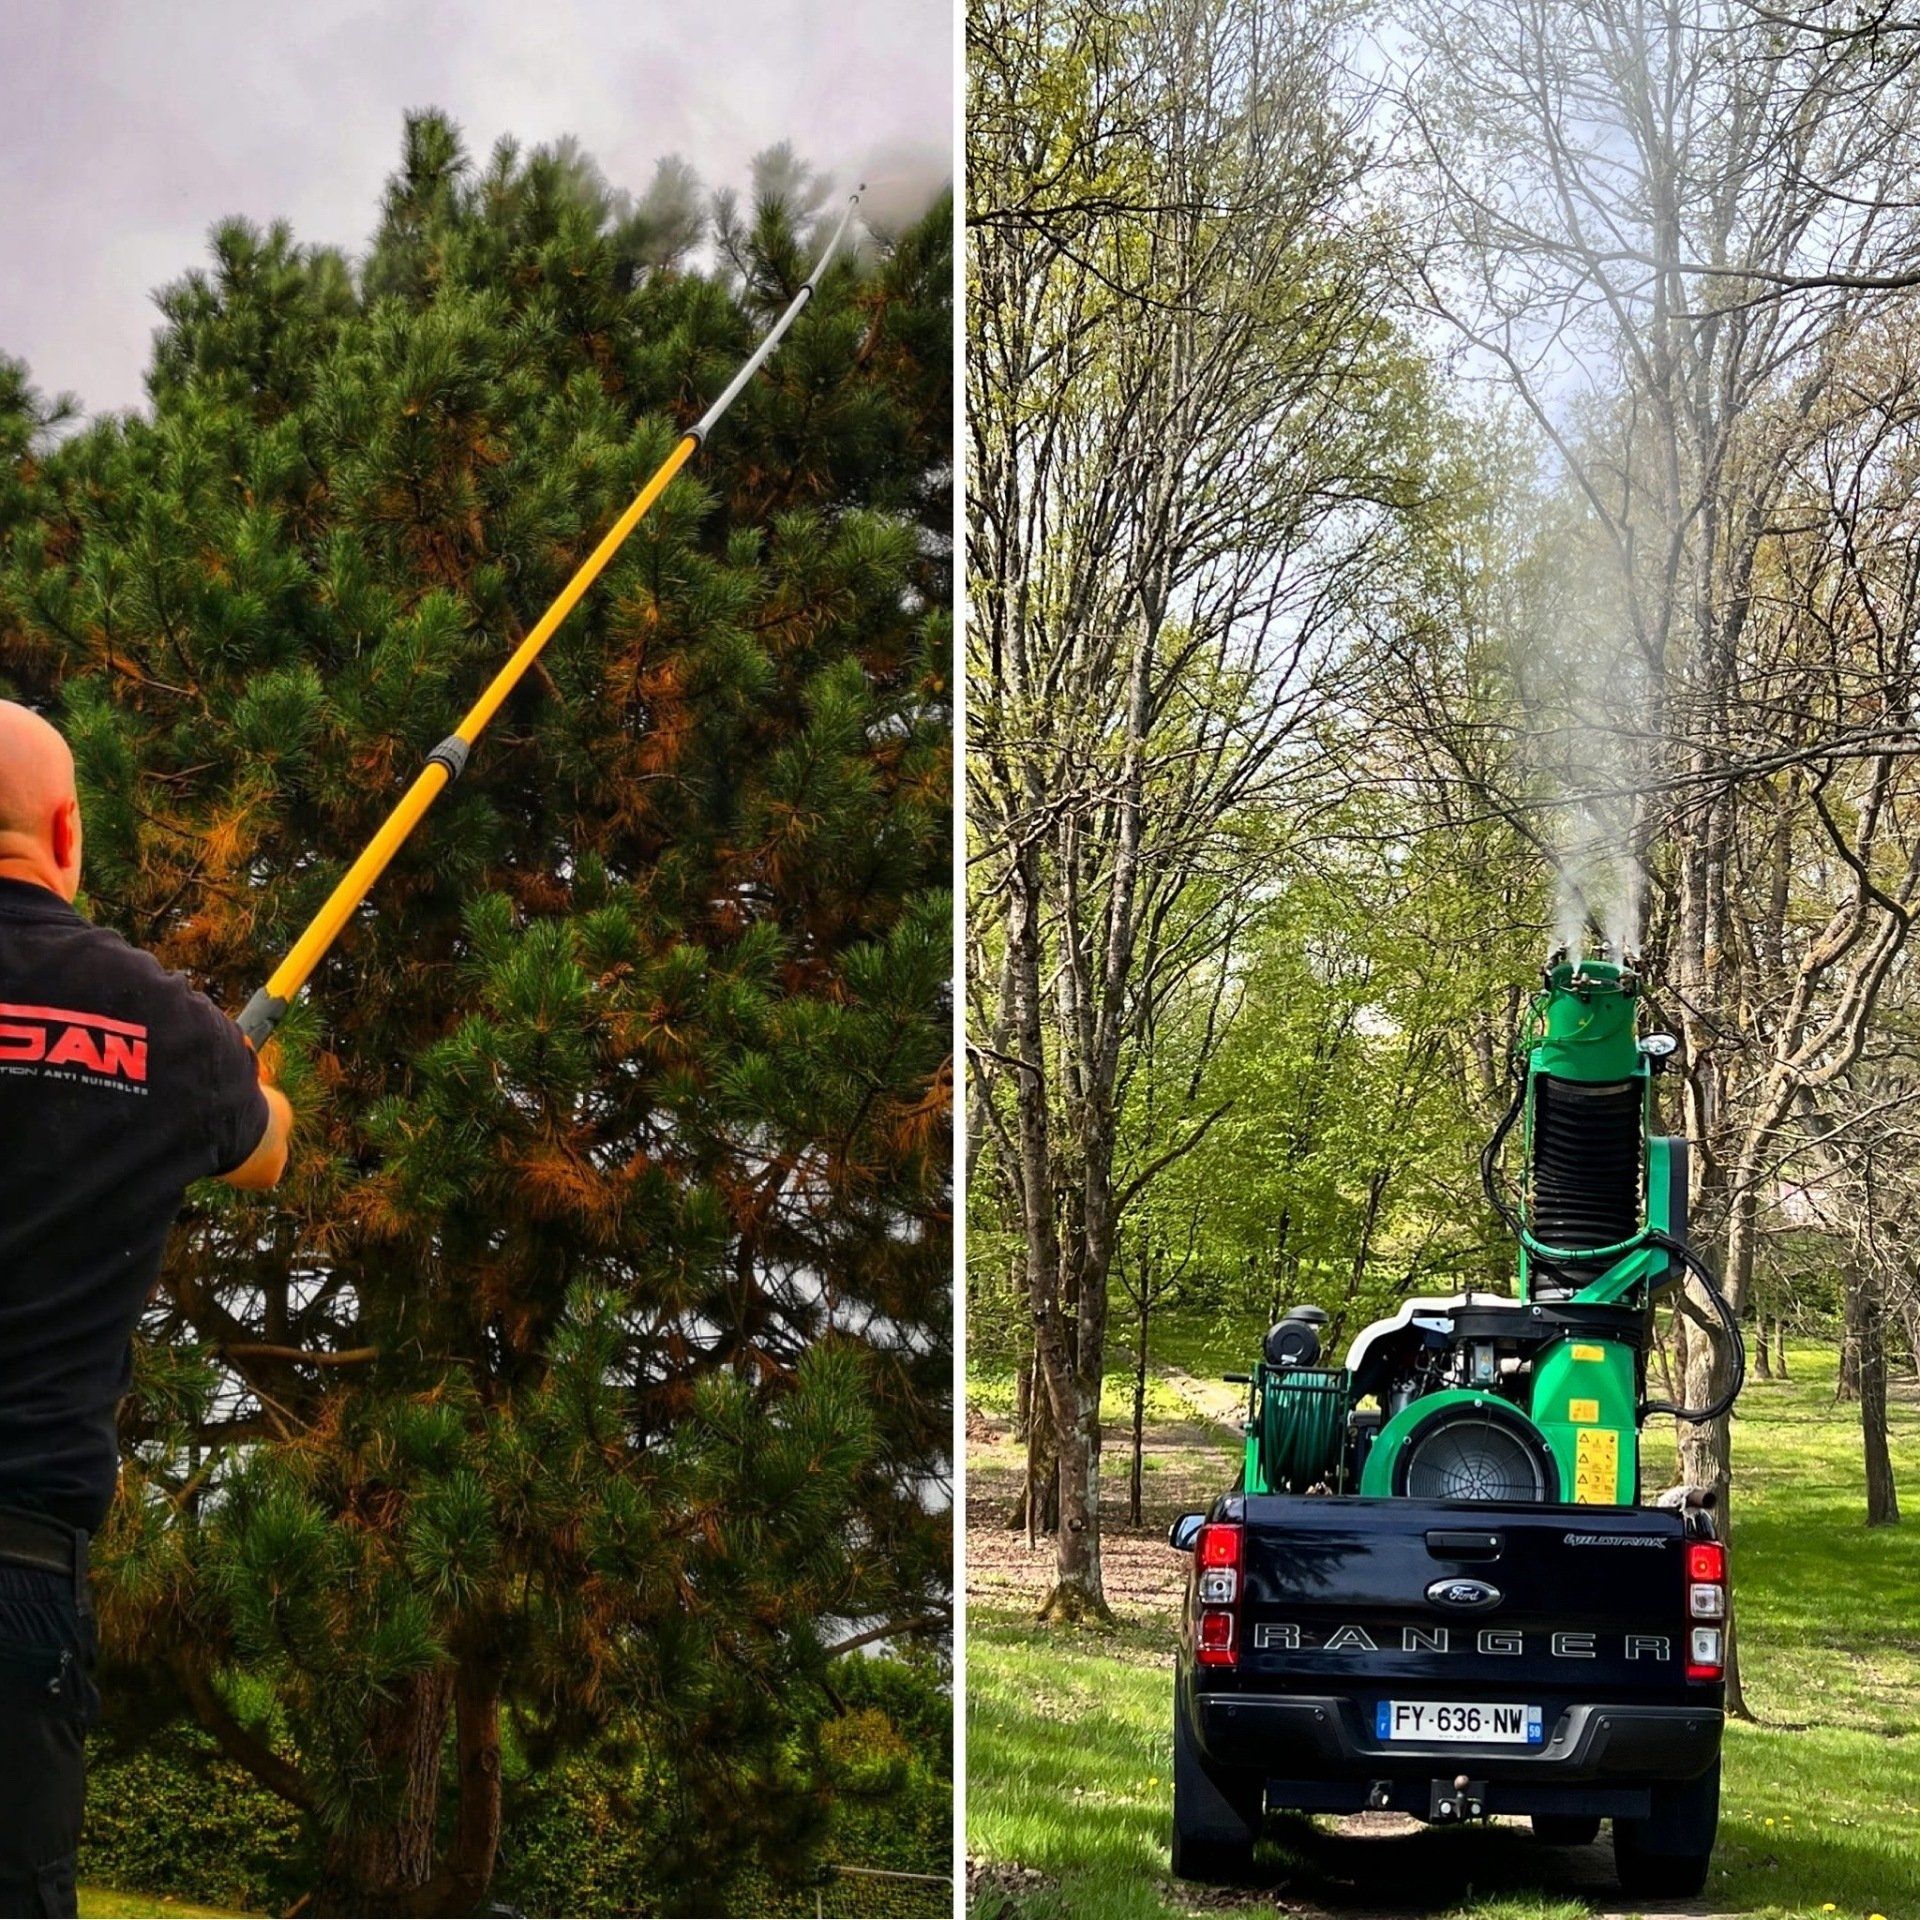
[{"x": 1453, "y": 1599}]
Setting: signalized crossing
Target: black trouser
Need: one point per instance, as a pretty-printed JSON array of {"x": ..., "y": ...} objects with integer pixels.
[{"x": 47, "y": 1702}]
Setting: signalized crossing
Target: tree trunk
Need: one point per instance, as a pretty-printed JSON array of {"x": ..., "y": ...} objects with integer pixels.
[
  {"x": 1023, "y": 1400},
  {"x": 1780, "y": 1349},
  {"x": 1706, "y": 1448},
  {"x": 1036, "y": 1508},
  {"x": 1762, "y": 1359},
  {"x": 1703, "y": 1447},
  {"x": 476, "y": 1836},
  {"x": 1848, "y": 1387},
  {"x": 1078, "y": 1589},
  {"x": 1134, "y": 1489},
  {"x": 1077, "y": 1545},
  {"x": 383, "y": 1860},
  {"x": 1883, "y": 1503},
  {"x": 1706, "y": 1445}
]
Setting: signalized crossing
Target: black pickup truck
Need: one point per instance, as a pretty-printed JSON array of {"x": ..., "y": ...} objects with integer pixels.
[{"x": 1451, "y": 1660}]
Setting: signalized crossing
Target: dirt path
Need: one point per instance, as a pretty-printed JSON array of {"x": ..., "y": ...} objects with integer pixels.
[
  {"x": 1220, "y": 1402},
  {"x": 1187, "y": 1462}
]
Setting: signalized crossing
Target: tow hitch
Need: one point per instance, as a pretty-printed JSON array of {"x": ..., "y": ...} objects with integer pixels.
[{"x": 1456, "y": 1799}]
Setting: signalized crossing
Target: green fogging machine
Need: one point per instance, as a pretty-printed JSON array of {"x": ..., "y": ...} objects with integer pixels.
[{"x": 1539, "y": 1397}]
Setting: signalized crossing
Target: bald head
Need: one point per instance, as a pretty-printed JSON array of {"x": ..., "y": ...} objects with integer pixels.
[{"x": 39, "y": 810}]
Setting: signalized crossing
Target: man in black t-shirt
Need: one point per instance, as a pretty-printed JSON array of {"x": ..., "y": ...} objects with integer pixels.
[{"x": 119, "y": 1087}]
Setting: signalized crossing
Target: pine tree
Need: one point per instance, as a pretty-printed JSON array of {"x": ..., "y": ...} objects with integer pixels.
[{"x": 589, "y": 1374}]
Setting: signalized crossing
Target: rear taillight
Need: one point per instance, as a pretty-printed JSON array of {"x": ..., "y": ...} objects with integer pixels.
[
  {"x": 1216, "y": 1562},
  {"x": 1214, "y": 1641},
  {"x": 1706, "y": 1610}
]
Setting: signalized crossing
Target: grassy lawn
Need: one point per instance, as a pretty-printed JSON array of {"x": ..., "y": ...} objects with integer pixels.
[
  {"x": 109, "y": 1903},
  {"x": 1068, "y": 1734}
]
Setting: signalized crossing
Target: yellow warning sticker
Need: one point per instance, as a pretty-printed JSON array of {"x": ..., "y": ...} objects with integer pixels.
[
  {"x": 1581, "y": 1352},
  {"x": 1596, "y": 1468},
  {"x": 1583, "y": 1412}
]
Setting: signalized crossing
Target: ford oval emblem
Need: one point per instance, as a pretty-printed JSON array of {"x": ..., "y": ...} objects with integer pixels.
[{"x": 1468, "y": 1596}]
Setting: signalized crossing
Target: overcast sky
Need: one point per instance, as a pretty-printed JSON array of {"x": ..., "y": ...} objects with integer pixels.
[{"x": 129, "y": 127}]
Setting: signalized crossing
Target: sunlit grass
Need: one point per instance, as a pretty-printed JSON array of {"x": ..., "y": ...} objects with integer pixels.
[
  {"x": 108, "y": 1903},
  {"x": 990, "y": 1388}
]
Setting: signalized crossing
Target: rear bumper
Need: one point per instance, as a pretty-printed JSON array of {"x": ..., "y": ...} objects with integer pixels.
[{"x": 1301, "y": 1738}]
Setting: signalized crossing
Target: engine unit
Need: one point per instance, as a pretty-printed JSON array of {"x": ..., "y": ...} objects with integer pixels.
[{"x": 1538, "y": 1397}]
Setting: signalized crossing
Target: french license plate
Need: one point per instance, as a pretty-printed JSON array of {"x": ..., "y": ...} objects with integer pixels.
[{"x": 1468, "y": 1720}]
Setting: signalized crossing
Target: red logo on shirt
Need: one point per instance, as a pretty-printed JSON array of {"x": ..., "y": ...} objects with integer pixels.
[{"x": 87, "y": 1042}]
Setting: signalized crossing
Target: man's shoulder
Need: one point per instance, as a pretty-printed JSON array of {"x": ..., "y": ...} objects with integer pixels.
[{"x": 105, "y": 963}]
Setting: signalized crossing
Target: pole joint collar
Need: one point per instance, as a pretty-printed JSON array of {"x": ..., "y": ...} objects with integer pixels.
[
  {"x": 451, "y": 753},
  {"x": 260, "y": 1016}
]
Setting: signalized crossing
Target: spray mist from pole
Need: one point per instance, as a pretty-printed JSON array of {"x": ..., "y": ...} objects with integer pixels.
[{"x": 448, "y": 760}]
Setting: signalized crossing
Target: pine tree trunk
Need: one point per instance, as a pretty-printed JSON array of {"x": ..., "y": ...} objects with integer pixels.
[
  {"x": 476, "y": 1838},
  {"x": 1883, "y": 1502},
  {"x": 384, "y": 1863}
]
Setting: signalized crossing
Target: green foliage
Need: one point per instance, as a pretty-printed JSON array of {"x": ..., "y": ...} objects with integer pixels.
[
  {"x": 587, "y": 1841},
  {"x": 168, "y": 1815},
  {"x": 1350, "y": 1049},
  {"x": 172, "y": 1817},
  {"x": 1350, "y": 1142},
  {"x": 619, "y": 1202}
]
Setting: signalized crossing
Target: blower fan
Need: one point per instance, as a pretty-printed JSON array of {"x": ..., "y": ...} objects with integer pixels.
[{"x": 1484, "y": 1452}]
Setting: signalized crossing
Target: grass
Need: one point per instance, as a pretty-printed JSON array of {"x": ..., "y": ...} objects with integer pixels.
[
  {"x": 991, "y": 1389},
  {"x": 108, "y": 1903},
  {"x": 1068, "y": 1736}
]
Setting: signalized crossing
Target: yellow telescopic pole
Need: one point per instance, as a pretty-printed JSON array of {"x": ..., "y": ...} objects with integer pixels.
[{"x": 445, "y": 764}]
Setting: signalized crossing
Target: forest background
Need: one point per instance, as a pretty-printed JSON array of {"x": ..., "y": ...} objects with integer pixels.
[{"x": 1440, "y": 486}]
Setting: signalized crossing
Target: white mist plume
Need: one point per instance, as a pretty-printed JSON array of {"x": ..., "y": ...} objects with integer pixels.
[
  {"x": 903, "y": 179},
  {"x": 1570, "y": 916},
  {"x": 1584, "y": 688},
  {"x": 1599, "y": 884}
]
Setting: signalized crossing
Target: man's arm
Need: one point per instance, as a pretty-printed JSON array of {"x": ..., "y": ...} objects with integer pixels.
[{"x": 263, "y": 1167}]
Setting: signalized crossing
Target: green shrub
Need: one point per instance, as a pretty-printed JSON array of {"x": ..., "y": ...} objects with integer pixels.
[
  {"x": 167, "y": 1813},
  {"x": 581, "y": 1841},
  {"x": 175, "y": 1817}
]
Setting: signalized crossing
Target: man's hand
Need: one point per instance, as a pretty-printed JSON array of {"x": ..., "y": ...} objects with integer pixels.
[{"x": 263, "y": 1167}]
